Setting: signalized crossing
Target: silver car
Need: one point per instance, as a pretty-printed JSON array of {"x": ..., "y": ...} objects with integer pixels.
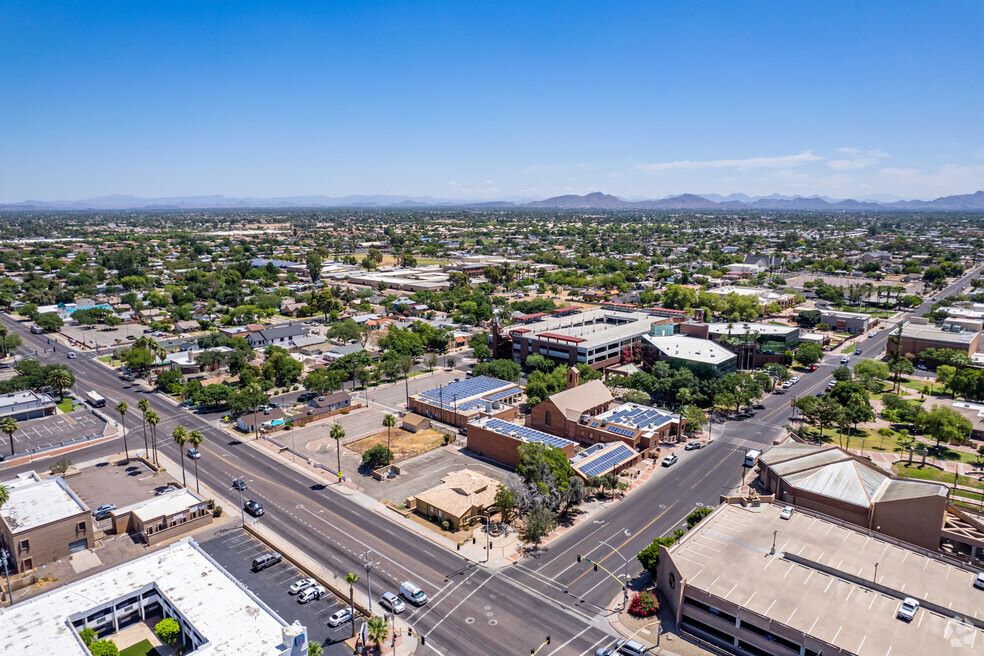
[{"x": 392, "y": 603}]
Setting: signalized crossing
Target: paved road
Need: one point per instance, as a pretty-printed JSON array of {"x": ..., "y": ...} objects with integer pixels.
[{"x": 474, "y": 610}]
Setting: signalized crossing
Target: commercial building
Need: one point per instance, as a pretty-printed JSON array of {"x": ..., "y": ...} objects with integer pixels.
[
  {"x": 638, "y": 426},
  {"x": 919, "y": 335},
  {"x": 702, "y": 356},
  {"x": 218, "y": 615},
  {"x": 285, "y": 336},
  {"x": 752, "y": 583},
  {"x": 854, "y": 323},
  {"x": 25, "y": 405},
  {"x": 600, "y": 337},
  {"x": 415, "y": 279},
  {"x": 466, "y": 399},
  {"x": 461, "y": 498},
  {"x": 43, "y": 521},
  {"x": 500, "y": 440},
  {"x": 162, "y": 517},
  {"x": 602, "y": 459},
  {"x": 762, "y": 295},
  {"x": 830, "y": 480},
  {"x": 561, "y": 413}
]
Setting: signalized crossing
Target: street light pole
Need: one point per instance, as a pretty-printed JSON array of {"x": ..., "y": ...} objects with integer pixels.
[{"x": 368, "y": 565}]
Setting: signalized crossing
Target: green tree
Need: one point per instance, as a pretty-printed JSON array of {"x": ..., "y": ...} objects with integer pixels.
[
  {"x": 121, "y": 408},
  {"x": 60, "y": 379},
  {"x": 697, "y": 515},
  {"x": 168, "y": 630},
  {"x": 944, "y": 425},
  {"x": 180, "y": 435},
  {"x": 144, "y": 406},
  {"x": 376, "y": 456},
  {"x": 195, "y": 439},
  {"x": 649, "y": 556},
  {"x": 505, "y": 501},
  {"x": 808, "y": 354},
  {"x": 544, "y": 468},
  {"x": 49, "y": 322},
  {"x": 389, "y": 421},
  {"x": 88, "y": 635},
  {"x": 537, "y": 524},
  {"x": 352, "y": 578},
  {"x": 103, "y": 648},
  {"x": 315, "y": 649},
  {"x": 377, "y": 629},
  {"x": 337, "y": 433},
  {"x": 313, "y": 263},
  {"x": 152, "y": 420},
  {"x": 4, "y": 494},
  {"x": 502, "y": 369}
]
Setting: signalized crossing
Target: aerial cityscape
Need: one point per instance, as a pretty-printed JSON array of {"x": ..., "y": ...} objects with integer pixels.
[{"x": 556, "y": 329}]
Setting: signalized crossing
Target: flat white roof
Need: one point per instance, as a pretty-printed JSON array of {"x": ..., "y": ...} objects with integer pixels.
[
  {"x": 748, "y": 328},
  {"x": 693, "y": 349},
  {"x": 591, "y": 327},
  {"x": 164, "y": 505},
  {"x": 224, "y": 612},
  {"x": 35, "y": 501}
]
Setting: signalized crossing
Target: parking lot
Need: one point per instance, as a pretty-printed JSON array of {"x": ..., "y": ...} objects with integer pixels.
[
  {"x": 235, "y": 551},
  {"x": 54, "y": 431},
  {"x": 118, "y": 483}
]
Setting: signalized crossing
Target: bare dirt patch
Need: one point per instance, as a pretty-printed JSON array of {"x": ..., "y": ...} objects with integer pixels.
[{"x": 404, "y": 444}]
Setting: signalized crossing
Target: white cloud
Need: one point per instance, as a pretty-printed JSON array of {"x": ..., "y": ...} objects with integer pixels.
[
  {"x": 856, "y": 159},
  {"x": 780, "y": 161}
]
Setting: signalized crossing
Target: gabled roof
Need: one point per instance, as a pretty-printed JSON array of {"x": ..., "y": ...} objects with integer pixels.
[
  {"x": 576, "y": 401},
  {"x": 849, "y": 481}
]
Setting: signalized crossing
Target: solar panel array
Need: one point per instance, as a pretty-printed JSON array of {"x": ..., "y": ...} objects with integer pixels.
[
  {"x": 621, "y": 430},
  {"x": 605, "y": 463},
  {"x": 640, "y": 416},
  {"x": 525, "y": 433},
  {"x": 464, "y": 388},
  {"x": 504, "y": 394}
]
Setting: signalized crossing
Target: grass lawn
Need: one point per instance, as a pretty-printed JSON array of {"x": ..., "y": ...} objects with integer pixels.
[
  {"x": 65, "y": 405},
  {"x": 933, "y": 474},
  {"x": 880, "y": 314},
  {"x": 105, "y": 358},
  {"x": 918, "y": 385},
  {"x": 404, "y": 443},
  {"x": 142, "y": 648}
]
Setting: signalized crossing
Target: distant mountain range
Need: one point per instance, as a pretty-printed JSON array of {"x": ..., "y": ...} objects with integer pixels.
[{"x": 592, "y": 201}]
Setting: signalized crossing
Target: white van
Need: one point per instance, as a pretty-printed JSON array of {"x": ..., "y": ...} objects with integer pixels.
[
  {"x": 751, "y": 457},
  {"x": 412, "y": 593}
]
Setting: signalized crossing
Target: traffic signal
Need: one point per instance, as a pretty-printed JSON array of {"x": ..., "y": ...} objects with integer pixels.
[
  {"x": 579, "y": 558},
  {"x": 548, "y": 640},
  {"x": 596, "y": 567},
  {"x": 410, "y": 631},
  {"x": 423, "y": 640}
]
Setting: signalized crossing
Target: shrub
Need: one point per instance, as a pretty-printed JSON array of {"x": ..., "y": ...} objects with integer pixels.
[
  {"x": 103, "y": 648},
  {"x": 217, "y": 511},
  {"x": 168, "y": 630},
  {"x": 376, "y": 456},
  {"x": 61, "y": 466},
  {"x": 446, "y": 525},
  {"x": 87, "y": 635},
  {"x": 694, "y": 518},
  {"x": 644, "y": 604}
]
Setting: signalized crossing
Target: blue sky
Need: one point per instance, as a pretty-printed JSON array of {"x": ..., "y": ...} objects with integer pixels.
[{"x": 490, "y": 100}]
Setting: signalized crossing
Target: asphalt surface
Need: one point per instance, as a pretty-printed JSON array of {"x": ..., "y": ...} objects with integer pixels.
[{"x": 474, "y": 610}]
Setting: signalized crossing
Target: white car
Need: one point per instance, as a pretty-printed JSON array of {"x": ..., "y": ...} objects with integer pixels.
[
  {"x": 979, "y": 581},
  {"x": 311, "y": 593},
  {"x": 794, "y": 380},
  {"x": 786, "y": 513},
  {"x": 907, "y": 609},
  {"x": 300, "y": 585},
  {"x": 340, "y": 617},
  {"x": 72, "y": 355}
]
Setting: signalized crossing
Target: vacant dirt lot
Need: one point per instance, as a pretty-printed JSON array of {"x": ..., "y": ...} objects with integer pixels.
[{"x": 404, "y": 443}]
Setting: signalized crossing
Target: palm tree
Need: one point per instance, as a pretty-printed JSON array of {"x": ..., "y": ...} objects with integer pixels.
[
  {"x": 315, "y": 649},
  {"x": 9, "y": 426},
  {"x": 60, "y": 379},
  {"x": 195, "y": 439},
  {"x": 153, "y": 419},
  {"x": 351, "y": 578},
  {"x": 378, "y": 629},
  {"x": 389, "y": 421},
  {"x": 144, "y": 406},
  {"x": 5, "y": 496},
  {"x": 337, "y": 433},
  {"x": 121, "y": 408},
  {"x": 180, "y": 436}
]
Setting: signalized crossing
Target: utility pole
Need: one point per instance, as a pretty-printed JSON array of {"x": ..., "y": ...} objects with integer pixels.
[{"x": 368, "y": 565}]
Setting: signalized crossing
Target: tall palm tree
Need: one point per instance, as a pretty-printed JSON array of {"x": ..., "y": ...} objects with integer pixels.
[
  {"x": 389, "y": 421},
  {"x": 144, "y": 406},
  {"x": 60, "y": 379},
  {"x": 351, "y": 578},
  {"x": 153, "y": 419},
  {"x": 378, "y": 629},
  {"x": 337, "y": 433},
  {"x": 121, "y": 408},
  {"x": 195, "y": 439},
  {"x": 180, "y": 436},
  {"x": 9, "y": 426}
]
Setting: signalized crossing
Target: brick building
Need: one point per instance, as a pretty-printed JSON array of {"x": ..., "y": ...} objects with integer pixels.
[
  {"x": 467, "y": 399},
  {"x": 919, "y": 335},
  {"x": 561, "y": 413},
  {"x": 500, "y": 440}
]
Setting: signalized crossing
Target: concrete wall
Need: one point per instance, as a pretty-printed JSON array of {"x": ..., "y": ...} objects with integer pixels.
[
  {"x": 917, "y": 521},
  {"x": 47, "y": 543}
]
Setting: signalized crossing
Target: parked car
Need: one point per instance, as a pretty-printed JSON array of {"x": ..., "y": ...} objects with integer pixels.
[
  {"x": 412, "y": 593},
  {"x": 693, "y": 445},
  {"x": 254, "y": 508},
  {"x": 794, "y": 380},
  {"x": 907, "y": 609},
  {"x": 72, "y": 355},
  {"x": 299, "y": 585},
  {"x": 194, "y": 453},
  {"x": 624, "y": 647},
  {"x": 340, "y": 617},
  {"x": 813, "y": 367},
  {"x": 238, "y": 484},
  {"x": 102, "y": 512},
  {"x": 311, "y": 593},
  {"x": 670, "y": 460},
  {"x": 979, "y": 581},
  {"x": 786, "y": 513},
  {"x": 392, "y": 603},
  {"x": 268, "y": 559}
]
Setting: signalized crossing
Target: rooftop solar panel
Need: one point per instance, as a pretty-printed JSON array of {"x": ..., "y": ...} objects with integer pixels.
[
  {"x": 605, "y": 463},
  {"x": 465, "y": 388},
  {"x": 525, "y": 433}
]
